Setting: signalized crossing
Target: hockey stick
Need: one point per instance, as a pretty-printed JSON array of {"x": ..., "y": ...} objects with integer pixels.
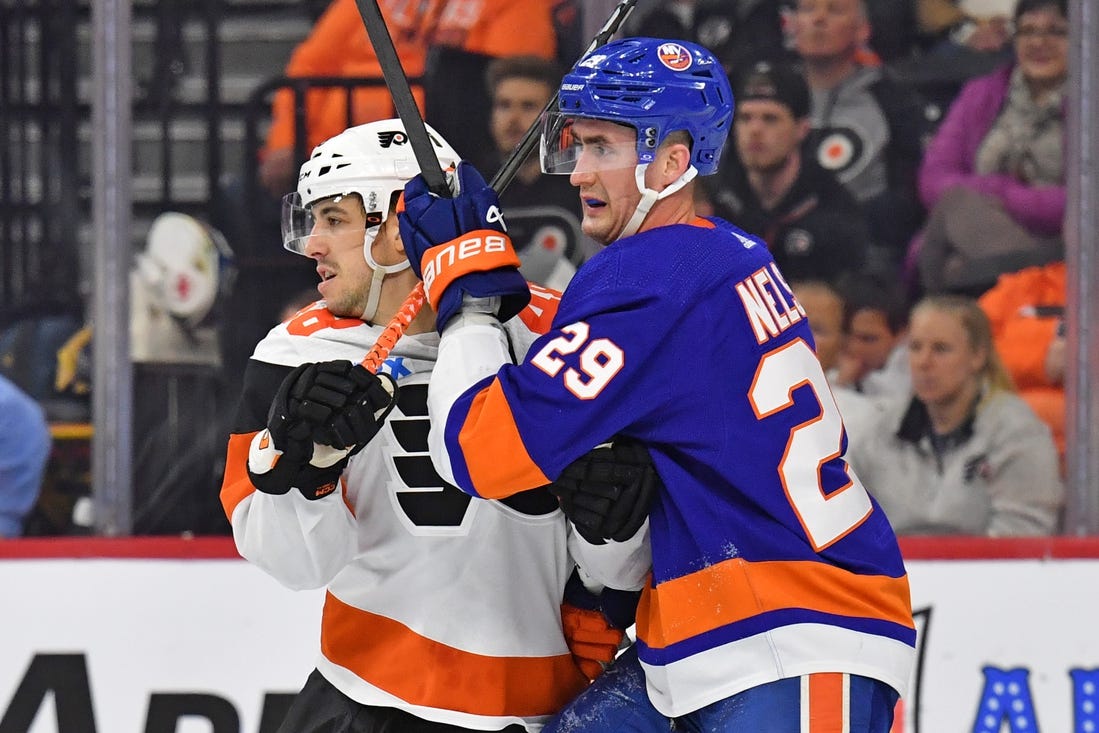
[
  {"x": 409, "y": 113},
  {"x": 426, "y": 159},
  {"x": 405, "y": 103},
  {"x": 515, "y": 161}
]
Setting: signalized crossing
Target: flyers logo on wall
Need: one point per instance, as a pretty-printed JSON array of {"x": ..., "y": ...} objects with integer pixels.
[{"x": 674, "y": 56}]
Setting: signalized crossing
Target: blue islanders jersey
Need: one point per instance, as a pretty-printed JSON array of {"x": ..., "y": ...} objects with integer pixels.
[{"x": 769, "y": 558}]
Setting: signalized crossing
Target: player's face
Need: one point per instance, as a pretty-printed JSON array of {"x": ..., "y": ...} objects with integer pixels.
[
  {"x": 1041, "y": 46},
  {"x": 869, "y": 339},
  {"x": 945, "y": 366},
  {"x": 516, "y": 104},
  {"x": 766, "y": 134},
  {"x": 336, "y": 243},
  {"x": 825, "y": 313},
  {"x": 829, "y": 29},
  {"x": 608, "y": 191}
]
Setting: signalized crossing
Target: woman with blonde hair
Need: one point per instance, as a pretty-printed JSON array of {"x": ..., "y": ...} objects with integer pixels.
[{"x": 962, "y": 453}]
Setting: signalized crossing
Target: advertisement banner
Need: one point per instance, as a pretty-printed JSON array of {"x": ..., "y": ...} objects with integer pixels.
[
  {"x": 176, "y": 636},
  {"x": 160, "y": 645}
]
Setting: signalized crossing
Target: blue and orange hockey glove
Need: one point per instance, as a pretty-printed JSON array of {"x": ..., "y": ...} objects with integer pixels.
[
  {"x": 594, "y": 624},
  {"x": 459, "y": 246}
]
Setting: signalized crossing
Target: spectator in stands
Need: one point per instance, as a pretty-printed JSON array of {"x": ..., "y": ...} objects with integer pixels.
[
  {"x": 458, "y": 33},
  {"x": 24, "y": 450},
  {"x": 874, "y": 359},
  {"x": 962, "y": 453},
  {"x": 1027, "y": 312},
  {"x": 543, "y": 212},
  {"x": 663, "y": 19},
  {"x": 894, "y": 35},
  {"x": 824, "y": 307},
  {"x": 994, "y": 175},
  {"x": 812, "y": 225},
  {"x": 739, "y": 33},
  {"x": 742, "y": 33},
  {"x": 338, "y": 46},
  {"x": 468, "y": 35},
  {"x": 867, "y": 126},
  {"x": 972, "y": 33}
]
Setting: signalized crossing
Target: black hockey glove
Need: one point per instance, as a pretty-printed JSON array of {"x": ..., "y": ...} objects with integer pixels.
[
  {"x": 607, "y": 492},
  {"x": 321, "y": 415},
  {"x": 369, "y": 400}
]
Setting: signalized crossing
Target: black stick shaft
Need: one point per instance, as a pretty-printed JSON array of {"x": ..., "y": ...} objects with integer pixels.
[{"x": 403, "y": 100}]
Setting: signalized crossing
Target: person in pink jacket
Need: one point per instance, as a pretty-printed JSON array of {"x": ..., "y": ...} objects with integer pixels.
[{"x": 992, "y": 178}]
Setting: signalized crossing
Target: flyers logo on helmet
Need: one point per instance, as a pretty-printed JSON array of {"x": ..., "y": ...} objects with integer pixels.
[
  {"x": 674, "y": 56},
  {"x": 392, "y": 137}
]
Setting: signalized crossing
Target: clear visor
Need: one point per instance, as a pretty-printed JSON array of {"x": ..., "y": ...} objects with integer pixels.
[
  {"x": 573, "y": 144},
  {"x": 299, "y": 224}
]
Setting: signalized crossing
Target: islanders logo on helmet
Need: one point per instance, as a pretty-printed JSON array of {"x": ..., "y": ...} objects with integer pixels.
[
  {"x": 674, "y": 56},
  {"x": 655, "y": 85}
]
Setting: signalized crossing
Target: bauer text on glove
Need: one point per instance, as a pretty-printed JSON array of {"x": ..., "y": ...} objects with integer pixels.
[{"x": 459, "y": 246}]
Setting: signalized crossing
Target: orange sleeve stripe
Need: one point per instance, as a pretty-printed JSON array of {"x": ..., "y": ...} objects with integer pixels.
[
  {"x": 735, "y": 590},
  {"x": 539, "y": 314},
  {"x": 235, "y": 485},
  {"x": 489, "y": 432},
  {"x": 393, "y": 657},
  {"x": 478, "y": 251},
  {"x": 537, "y": 321}
]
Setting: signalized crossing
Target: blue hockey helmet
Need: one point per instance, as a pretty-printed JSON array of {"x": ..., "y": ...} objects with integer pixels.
[{"x": 655, "y": 86}]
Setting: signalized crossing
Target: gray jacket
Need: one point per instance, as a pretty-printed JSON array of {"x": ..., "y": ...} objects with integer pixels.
[{"x": 997, "y": 475}]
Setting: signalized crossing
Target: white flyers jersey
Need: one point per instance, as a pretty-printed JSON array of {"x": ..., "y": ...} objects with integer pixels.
[{"x": 437, "y": 603}]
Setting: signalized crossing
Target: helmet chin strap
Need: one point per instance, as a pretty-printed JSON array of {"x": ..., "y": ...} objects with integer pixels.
[
  {"x": 380, "y": 271},
  {"x": 650, "y": 197}
]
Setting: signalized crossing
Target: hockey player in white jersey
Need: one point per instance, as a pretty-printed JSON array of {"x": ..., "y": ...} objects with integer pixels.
[{"x": 442, "y": 612}]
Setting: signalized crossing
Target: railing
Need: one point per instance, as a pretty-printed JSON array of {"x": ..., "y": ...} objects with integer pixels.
[
  {"x": 158, "y": 97},
  {"x": 40, "y": 201},
  {"x": 44, "y": 182}
]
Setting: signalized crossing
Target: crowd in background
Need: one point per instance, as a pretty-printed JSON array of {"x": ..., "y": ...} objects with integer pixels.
[{"x": 904, "y": 160}]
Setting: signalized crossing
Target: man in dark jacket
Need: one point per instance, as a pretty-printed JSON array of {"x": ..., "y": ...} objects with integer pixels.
[
  {"x": 868, "y": 127},
  {"x": 813, "y": 226}
]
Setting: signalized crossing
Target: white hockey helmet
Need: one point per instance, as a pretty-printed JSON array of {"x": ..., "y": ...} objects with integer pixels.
[
  {"x": 186, "y": 268},
  {"x": 374, "y": 160}
]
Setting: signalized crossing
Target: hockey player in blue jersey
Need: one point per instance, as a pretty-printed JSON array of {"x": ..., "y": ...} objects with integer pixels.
[{"x": 778, "y": 600}]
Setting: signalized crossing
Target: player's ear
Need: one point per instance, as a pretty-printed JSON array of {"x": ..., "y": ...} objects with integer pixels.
[
  {"x": 391, "y": 221},
  {"x": 672, "y": 161}
]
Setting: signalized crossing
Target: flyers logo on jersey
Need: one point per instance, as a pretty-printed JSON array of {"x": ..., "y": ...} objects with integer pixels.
[{"x": 674, "y": 56}]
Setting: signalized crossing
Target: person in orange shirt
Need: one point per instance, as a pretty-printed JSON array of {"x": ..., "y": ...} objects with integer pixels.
[
  {"x": 453, "y": 30},
  {"x": 1026, "y": 309}
]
